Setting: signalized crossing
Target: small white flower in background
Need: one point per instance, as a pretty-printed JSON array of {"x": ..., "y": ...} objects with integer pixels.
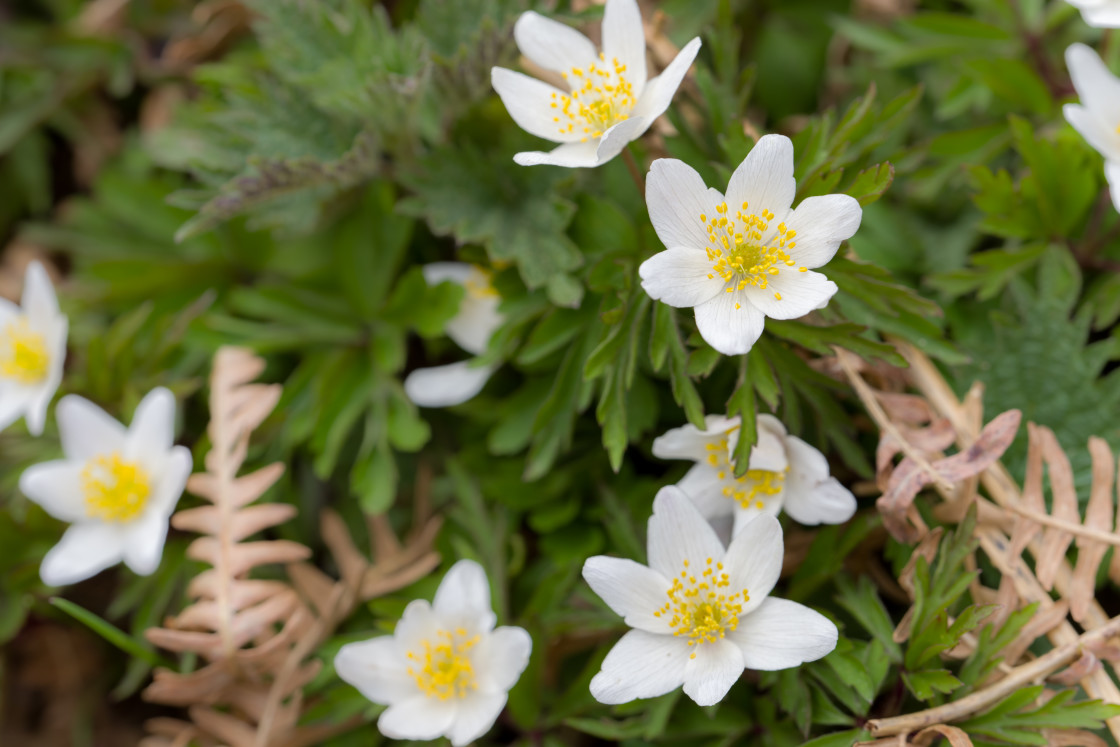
[
  {"x": 446, "y": 670},
  {"x": 1099, "y": 13},
  {"x": 1097, "y": 117},
  {"x": 784, "y": 473},
  {"x": 117, "y": 487},
  {"x": 471, "y": 328},
  {"x": 32, "y": 351},
  {"x": 745, "y": 256},
  {"x": 608, "y": 101},
  {"x": 700, "y": 615}
]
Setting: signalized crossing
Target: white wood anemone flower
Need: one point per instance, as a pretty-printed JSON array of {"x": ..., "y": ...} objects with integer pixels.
[
  {"x": 471, "y": 329},
  {"x": 1099, "y": 13},
  {"x": 116, "y": 486},
  {"x": 784, "y": 473},
  {"x": 446, "y": 670},
  {"x": 608, "y": 101},
  {"x": 32, "y": 351},
  {"x": 700, "y": 614},
  {"x": 747, "y": 255},
  {"x": 1097, "y": 117}
]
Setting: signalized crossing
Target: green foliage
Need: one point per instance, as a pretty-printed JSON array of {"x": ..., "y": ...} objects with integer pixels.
[{"x": 321, "y": 159}]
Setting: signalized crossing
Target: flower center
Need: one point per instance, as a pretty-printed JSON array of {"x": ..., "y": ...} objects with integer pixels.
[
  {"x": 737, "y": 251},
  {"x": 23, "y": 353},
  {"x": 115, "y": 490},
  {"x": 750, "y": 489},
  {"x": 702, "y": 608},
  {"x": 478, "y": 284},
  {"x": 601, "y": 97},
  {"x": 444, "y": 668}
]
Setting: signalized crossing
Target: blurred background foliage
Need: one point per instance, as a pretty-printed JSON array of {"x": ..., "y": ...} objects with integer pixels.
[{"x": 270, "y": 173}]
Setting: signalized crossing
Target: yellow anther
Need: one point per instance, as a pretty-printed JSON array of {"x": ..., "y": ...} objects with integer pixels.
[
  {"x": 23, "y": 353},
  {"x": 443, "y": 669},
  {"x": 704, "y": 611},
  {"x": 114, "y": 489}
]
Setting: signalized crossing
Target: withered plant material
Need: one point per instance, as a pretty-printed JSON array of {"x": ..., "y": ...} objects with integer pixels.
[
  {"x": 257, "y": 636},
  {"x": 1013, "y": 523}
]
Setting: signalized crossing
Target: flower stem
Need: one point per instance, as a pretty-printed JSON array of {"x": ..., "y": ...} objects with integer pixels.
[{"x": 635, "y": 172}]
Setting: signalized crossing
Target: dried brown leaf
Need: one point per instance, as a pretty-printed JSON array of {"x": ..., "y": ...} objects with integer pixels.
[
  {"x": 1063, "y": 497},
  {"x": 1098, "y": 515},
  {"x": 909, "y": 477},
  {"x": 1079, "y": 670},
  {"x": 931, "y": 734},
  {"x": 1072, "y": 738}
]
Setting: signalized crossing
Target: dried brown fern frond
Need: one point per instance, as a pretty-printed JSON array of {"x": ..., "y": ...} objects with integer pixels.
[
  {"x": 1014, "y": 528},
  {"x": 258, "y": 636}
]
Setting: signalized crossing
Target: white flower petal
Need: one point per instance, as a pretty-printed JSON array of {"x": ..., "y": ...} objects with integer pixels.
[
  {"x": 418, "y": 623},
  {"x": 781, "y": 634},
  {"x": 1112, "y": 174},
  {"x": 715, "y": 668},
  {"x": 501, "y": 657},
  {"x": 1097, "y": 87},
  {"x": 456, "y": 272},
  {"x": 769, "y": 451},
  {"x": 464, "y": 594},
  {"x": 689, "y": 442},
  {"x": 475, "y": 324},
  {"x": 828, "y": 502},
  {"x": 14, "y": 400},
  {"x": 764, "y": 180},
  {"x": 677, "y": 532},
  {"x": 35, "y": 413},
  {"x": 730, "y": 330},
  {"x": 152, "y": 431},
  {"x": 377, "y": 668},
  {"x": 85, "y": 550},
  {"x": 38, "y": 300},
  {"x": 821, "y": 223},
  {"x": 704, "y": 486},
  {"x": 625, "y": 40},
  {"x": 801, "y": 293},
  {"x": 568, "y": 155},
  {"x": 57, "y": 487},
  {"x": 86, "y": 430},
  {"x": 419, "y": 717},
  {"x": 631, "y": 589},
  {"x": 617, "y": 137},
  {"x": 552, "y": 45},
  {"x": 754, "y": 560},
  {"x": 177, "y": 466},
  {"x": 444, "y": 386},
  {"x": 530, "y": 104},
  {"x": 144, "y": 539},
  {"x": 659, "y": 91},
  {"x": 1103, "y": 138},
  {"x": 772, "y": 506},
  {"x": 680, "y": 277},
  {"x": 676, "y": 197},
  {"x": 1106, "y": 16},
  {"x": 769, "y": 423},
  {"x": 474, "y": 717},
  {"x": 641, "y": 665}
]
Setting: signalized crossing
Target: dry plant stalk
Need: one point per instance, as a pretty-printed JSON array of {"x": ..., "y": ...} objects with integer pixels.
[
  {"x": 257, "y": 636},
  {"x": 1011, "y": 522}
]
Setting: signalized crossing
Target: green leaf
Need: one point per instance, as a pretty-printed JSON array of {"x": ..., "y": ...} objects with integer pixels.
[
  {"x": 517, "y": 213},
  {"x": 929, "y": 681},
  {"x": 111, "y": 633}
]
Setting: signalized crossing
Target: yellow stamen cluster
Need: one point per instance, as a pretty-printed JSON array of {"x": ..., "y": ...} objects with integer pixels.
[
  {"x": 700, "y": 606},
  {"x": 443, "y": 670},
  {"x": 749, "y": 489},
  {"x": 738, "y": 252},
  {"x": 600, "y": 98},
  {"x": 115, "y": 490},
  {"x": 478, "y": 284},
  {"x": 23, "y": 353}
]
